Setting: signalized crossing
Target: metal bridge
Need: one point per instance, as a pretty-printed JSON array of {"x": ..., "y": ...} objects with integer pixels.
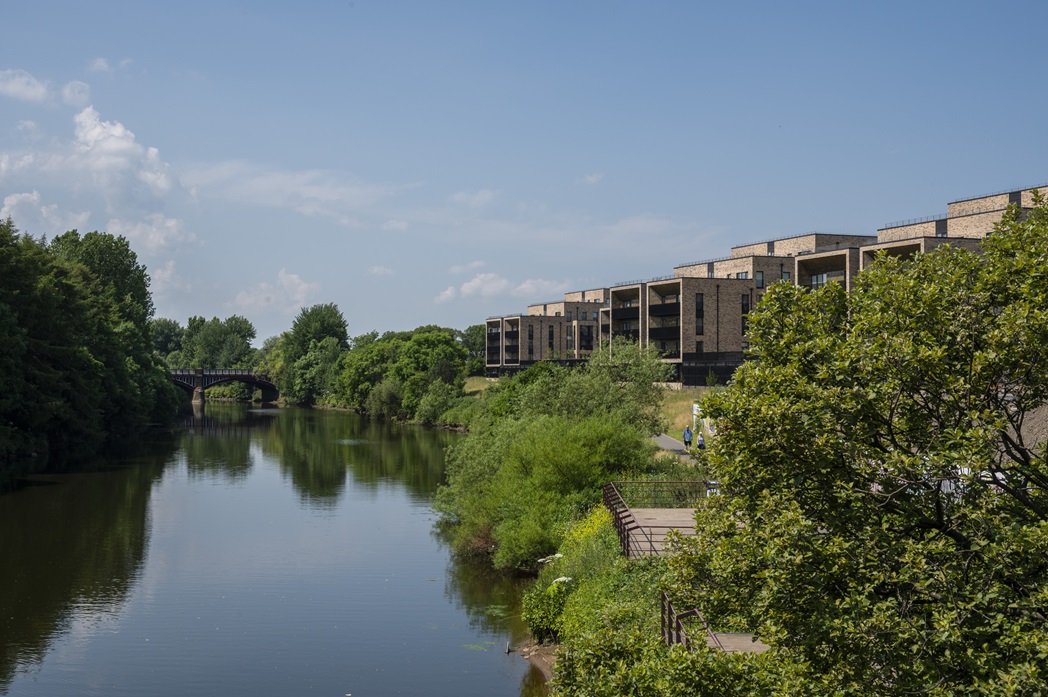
[{"x": 196, "y": 380}]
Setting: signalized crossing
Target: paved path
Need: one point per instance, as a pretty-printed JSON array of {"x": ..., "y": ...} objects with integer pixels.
[{"x": 671, "y": 444}]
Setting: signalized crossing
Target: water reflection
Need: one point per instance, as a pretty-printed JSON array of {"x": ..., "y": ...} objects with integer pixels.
[
  {"x": 77, "y": 543},
  {"x": 75, "y": 546}
]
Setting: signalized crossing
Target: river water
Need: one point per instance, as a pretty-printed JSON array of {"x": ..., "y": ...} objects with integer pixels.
[{"x": 253, "y": 552}]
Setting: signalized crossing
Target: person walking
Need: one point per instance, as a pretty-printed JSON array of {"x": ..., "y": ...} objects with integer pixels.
[
  {"x": 687, "y": 438},
  {"x": 701, "y": 443}
]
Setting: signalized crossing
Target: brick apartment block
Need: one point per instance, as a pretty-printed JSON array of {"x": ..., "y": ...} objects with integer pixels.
[{"x": 697, "y": 317}]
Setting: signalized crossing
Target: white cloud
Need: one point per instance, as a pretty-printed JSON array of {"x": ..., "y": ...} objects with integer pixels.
[
  {"x": 29, "y": 129},
  {"x": 459, "y": 268},
  {"x": 32, "y": 216},
  {"x": 535, "y": 287},
  {"x": 19, "y": 84},
  {"x": 485, "y": 285},
  {"x": 310, "y": 192},
  {"x": 288, "y": 295},
  {"x": 380, "y": 271},
  {"x": 164, "y": 279},
  {"x": 590, "y": 179},
  {"x": 474, "y": 199},
  {"x": 395, "y": 225},
  {"x": 154, "y": 233},
  {"x": 99, "y": 65},
  {"x": 447, "y": 294},
  {"x": 76, "y": 93}
]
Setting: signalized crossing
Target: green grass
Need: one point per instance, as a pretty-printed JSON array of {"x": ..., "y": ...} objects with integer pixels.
[
  {"x": 476, "y": 385},
  {"x": 676, "y": 407}
]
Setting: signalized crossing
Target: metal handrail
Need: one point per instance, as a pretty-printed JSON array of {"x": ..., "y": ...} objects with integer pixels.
[
  {"x": 673, "y": 630},
  {"x": 914, "y": 221},
  {"x": 998, "y": 193}
]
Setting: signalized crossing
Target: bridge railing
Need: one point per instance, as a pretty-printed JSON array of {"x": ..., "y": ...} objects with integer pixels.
[{"x": 209, "y": 371}]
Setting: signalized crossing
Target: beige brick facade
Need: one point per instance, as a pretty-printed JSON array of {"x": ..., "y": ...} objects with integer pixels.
[
  {"x": 696, "y": 317},
  {"x": 907, "y": 232},
  {"x": 975, "y": 226}
]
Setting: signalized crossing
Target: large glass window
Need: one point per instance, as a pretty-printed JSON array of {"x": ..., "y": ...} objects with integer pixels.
[{"x": 759, "y": 277}]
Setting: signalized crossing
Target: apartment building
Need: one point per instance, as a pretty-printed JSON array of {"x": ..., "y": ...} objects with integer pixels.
[
  {"x": 563, "y": 330},
  {"x": 697, "y": 318},
  {"x": 697, "y": 324}
]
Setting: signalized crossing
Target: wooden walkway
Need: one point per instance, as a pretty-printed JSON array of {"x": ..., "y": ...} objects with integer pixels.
[
  {"x": 653, "y": 510},
  {"x": 655, "y": 523}
]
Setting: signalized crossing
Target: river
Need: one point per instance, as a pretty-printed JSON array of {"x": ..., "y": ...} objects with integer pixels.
[{"x": 253, "y": 552}]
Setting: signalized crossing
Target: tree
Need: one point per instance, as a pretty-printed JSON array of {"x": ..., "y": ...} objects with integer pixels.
[
  {"x": 474, "y": 339},
  {"x": 167, "y": 336},
  {"x": 884, "y": 512},
  {"x": 314, "y": 324},
  {"x": 217, "y": 344}
]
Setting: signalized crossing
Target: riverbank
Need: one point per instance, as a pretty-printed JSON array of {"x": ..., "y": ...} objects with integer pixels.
[{"x": 542, "y": 656}]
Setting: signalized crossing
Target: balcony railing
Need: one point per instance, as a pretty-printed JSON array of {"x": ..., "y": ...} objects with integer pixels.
[
  {"x": 625, "y": 312},
  {"x": 664, "y": 309},
  {"x": 664, "y": 333}
]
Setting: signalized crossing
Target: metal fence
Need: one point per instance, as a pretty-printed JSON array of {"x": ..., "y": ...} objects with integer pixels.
[{"x": 673, "y": 630}]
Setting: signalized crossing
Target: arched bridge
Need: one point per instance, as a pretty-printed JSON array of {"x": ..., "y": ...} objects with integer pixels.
[{"x": 196, "y": 380}]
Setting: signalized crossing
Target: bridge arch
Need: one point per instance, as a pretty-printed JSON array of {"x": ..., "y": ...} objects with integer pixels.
[{"x": 196, "y": 380}]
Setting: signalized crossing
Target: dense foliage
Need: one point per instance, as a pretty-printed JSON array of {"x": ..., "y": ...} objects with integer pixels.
[
  {"x": 77, "y": 367},
  {"x": 414, "y": 375},
  {"x": 540, "y": 447},
  {"x": 884, "y": 517}
]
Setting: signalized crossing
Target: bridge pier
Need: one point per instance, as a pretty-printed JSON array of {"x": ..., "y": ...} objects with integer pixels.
[{"x": 198, "y": 386}]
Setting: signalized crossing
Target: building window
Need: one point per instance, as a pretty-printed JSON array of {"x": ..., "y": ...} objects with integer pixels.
[
  {"x": 568, "y": 317},
  {"x": 700, "y": 314},
  {"x": 698, "y": 347},
  {"x": 786, "y": 275},
  {"x": 743, "y": 275},
  {"x": 531, "y": 332},
  {"x": 550, "y": 336},
  {"x": 745, "y": 310},
  {"x": 759, "y": 276},
  {"x": 818, "y": 280}
]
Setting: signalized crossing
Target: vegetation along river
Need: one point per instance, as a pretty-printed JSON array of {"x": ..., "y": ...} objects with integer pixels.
[{"x": 254, "y": 552}]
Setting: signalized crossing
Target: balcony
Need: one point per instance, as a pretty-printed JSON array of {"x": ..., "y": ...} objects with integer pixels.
[
  {"x": 664, "y": 310},
  {"x": 626, "y": 334},
  {"x": 625, "y": 313},
  {"x": 664, "y": 333},
  {"x": 512, "y": 335}
]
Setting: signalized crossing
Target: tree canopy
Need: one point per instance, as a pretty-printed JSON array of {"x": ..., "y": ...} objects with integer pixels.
[
  {"x": 77, "y": 367},
  {"x": 883, "y": 521}
]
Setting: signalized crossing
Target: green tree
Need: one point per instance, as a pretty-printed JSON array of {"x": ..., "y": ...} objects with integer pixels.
[
  {"x": 542, "y": 447},
  {"x": 78, "y": 368},
  {"x": 217, "y": 344},
  {"x": 167, "y": 336},
  {"x": 884, "y": 511},
  {"x": 474, "y": 340}
]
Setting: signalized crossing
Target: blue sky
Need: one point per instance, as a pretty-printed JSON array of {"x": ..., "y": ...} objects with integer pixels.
[{"x": 440, "y": 162}]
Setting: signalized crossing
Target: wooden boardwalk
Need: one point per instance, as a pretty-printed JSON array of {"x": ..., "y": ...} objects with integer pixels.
[{"x": 655, "y": 523}]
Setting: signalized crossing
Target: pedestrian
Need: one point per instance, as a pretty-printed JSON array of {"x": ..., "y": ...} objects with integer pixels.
[
  {"x": 701, "y": 444},
  {"x": 687, "y": 438}
]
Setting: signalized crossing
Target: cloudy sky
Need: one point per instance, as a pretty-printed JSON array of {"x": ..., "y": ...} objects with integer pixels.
[{"x": 440, "y": 162}]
